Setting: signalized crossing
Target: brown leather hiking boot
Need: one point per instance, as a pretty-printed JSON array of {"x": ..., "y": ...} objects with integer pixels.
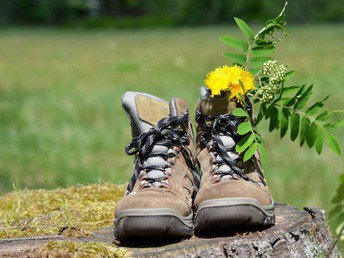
[
  {"x": 158, "y": 201},
  {"x": 231, "y": 192}
]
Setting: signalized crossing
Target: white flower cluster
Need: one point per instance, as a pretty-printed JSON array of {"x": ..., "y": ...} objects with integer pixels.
[{"x": 273, "y": 75}]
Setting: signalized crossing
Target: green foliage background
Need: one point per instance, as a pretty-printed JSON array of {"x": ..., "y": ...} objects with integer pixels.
[{"x": 147, "y": 13}]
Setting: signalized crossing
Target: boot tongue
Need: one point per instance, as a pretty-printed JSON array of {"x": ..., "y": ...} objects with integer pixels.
[
  {"x": 144, "y": 111},
  {"x": 178, "y": 107},
  {"x": 216, "y": 105}
]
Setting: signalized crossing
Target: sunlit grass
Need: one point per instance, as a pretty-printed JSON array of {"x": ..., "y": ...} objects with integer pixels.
[{"x": 61, "y": 120}]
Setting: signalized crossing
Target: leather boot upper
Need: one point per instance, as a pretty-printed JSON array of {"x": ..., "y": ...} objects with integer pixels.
[
  {"x": 164, "y": 173},
  {"x": 224, "y": 177}
]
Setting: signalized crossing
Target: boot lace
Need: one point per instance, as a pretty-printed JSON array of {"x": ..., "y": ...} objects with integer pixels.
[
  {"x": 153, "y": 149},
  {"x": 220, "y": 137}
]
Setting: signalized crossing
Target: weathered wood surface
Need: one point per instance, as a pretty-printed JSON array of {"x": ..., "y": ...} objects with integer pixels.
[{"x": 296, "y": 234}]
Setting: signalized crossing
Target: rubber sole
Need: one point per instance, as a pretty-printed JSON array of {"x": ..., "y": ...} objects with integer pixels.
[
  {"x": 153, "y": 223},
  {"x": 230, "y": 212}
]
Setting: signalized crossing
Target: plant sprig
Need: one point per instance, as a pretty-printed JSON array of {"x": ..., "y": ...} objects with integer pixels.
[{"x": 286, "y": 107}]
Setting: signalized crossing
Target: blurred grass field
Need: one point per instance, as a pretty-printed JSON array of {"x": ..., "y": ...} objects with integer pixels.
[{"x": 61, "y": 120}]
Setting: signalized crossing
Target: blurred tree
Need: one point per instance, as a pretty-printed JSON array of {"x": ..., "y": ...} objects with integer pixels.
[{"x": 179, "y": 12}]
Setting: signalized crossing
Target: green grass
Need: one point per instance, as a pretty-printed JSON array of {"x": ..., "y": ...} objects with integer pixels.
[{"x": 61, "y": 120}]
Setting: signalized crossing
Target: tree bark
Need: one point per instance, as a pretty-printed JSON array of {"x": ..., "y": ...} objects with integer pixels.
[{"x": 296, "y": 234}]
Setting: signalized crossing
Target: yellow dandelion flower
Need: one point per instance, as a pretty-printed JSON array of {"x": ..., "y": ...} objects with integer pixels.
[
  {"x": 218, "y": 80},
  {"x": 227, "y": 79}
]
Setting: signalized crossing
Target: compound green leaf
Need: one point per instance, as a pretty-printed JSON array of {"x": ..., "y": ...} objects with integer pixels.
[
  {"x": 237, "y": 58},
  {"x": 262, "y": 153},
  {"x": 333, "y": 143},
  {"x": 239, "y": 112},
  {"x": 244, "y": 28},
  {"x": 304, "y": 127},
  {"x": 319, "y": 142},
  {"x": 294, "y": 126},
  {"x": 311, "y": 134},
  {"x": 234, "y": 43},
  {"x": 273, "y": 115},
  {"x": 255, "y": 70},
  {"x": 244, "y": 128},
  {"x": 250, "y": 151},
  {"x": 262, "y": 51},
  {"x": 288, "y": 75},
  {"x": 244, "y": 143},
  {"x": 290, "y": 90},
  {"x": 338, "y": 124},
  {"x": 284, "y": 121},
  {"x": 323, "y": 116},
  {"x": 302, "y": 100},
  {"x": 335, "y": 210}
]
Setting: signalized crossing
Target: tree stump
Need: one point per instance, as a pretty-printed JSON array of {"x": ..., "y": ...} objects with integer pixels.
[{"x": 296, "y": 233}]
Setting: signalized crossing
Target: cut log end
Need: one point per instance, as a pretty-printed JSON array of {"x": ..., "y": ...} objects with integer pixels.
[{"x": 296, "y": 233}]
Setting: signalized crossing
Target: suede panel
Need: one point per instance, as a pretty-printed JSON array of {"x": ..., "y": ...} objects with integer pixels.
[
  {"x": 150, "y": 110},
  {"x": 180, "y": 173},
  {"x": 205, "y": 166},
  {"x": 233, "y": 188},
  {"x": 154, "y": 198}
]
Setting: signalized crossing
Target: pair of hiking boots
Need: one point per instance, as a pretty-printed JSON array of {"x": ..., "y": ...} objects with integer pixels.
[{"x": 180, "y": 185}]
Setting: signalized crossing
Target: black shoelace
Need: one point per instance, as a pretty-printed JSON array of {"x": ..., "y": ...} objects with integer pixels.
[
  {"x": 169, "y": 133},
  {"x": 214, "y": 127}
]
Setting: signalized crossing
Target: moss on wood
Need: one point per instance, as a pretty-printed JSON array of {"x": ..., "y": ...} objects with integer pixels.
[
  {"x": 79, "y": 249},
  {"x": 72, "y": 211}
]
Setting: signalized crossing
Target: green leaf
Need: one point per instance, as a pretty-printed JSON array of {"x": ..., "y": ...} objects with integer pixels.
[
  {"x": 303, "y": 98},
  {"x": 274, "y": 122},
  {"x": 291, "y": 101},
  {"x": 311, "y": 134},
  {"x": 250, "y": 151},
  {"x": 333, "y": 143},
  {"x": 335, "y": 210},
  {"x": 234, "y": 43},
  {"x": 294, "y": 126},
  {"x": 262, "y": 153},
  {"x": 289, "y": 90},
  {"x": 237, "y": 58},
  {"x": 284, "y": 122},
  {"x": 288, "y": 75},
  {"x": 245, "y": 28},
  {"x": 254, "y": 70},
  {"x": 339, "y": 229},
  {"x": 259, "y": 138},
  {"x": 304, "y": 127},
  {"x": 239, "y": 112},
  {"x": 341, "y": 178},
  {"x": 319, "y": 142},
  {"x": 338, "y": 219},
  {"x": 244, "y": 143},
  {"x": 260, "y": 59},
  {"x": 244, "y": 128},
  {"x": 339, "y": 196},
  {"x": 338, "y": 124},
  {"x": 262, "y": 51},
  {"x": 261, "y": 113},
  {"x": 316, "y": 107},
  {"x": 323, "y": 116}
]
